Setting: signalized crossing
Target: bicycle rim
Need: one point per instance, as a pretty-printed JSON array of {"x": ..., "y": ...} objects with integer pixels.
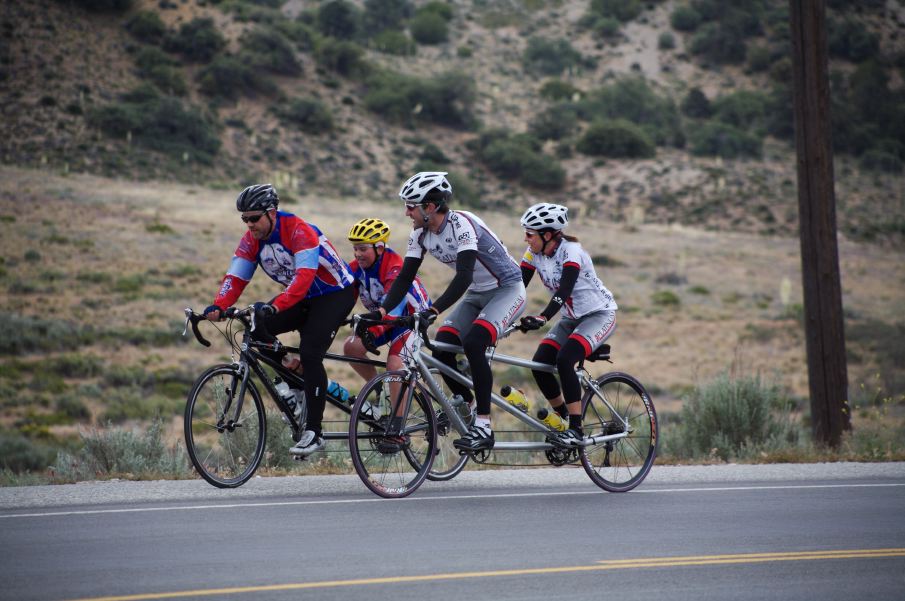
[
  {"x": 391, "y": 464},
  {"x": 448, "y": 462},
  {"x": 225, "y": 450},
  {"x": 619, "y": 465}
]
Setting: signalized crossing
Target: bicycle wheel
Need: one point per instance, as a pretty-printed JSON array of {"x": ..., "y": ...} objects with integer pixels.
[
  {"x": 619, "y": 465},
  {"x": 392, "y": 455},
  {"x": 224, "y": 447},
  {"x": 448, "y": 462}
]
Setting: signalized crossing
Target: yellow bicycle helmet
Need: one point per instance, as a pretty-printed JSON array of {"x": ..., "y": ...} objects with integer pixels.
[{"x": 370, "y": 231}]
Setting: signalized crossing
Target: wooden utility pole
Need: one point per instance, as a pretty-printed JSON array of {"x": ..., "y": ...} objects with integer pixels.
[{"x": 824, "y": 329}]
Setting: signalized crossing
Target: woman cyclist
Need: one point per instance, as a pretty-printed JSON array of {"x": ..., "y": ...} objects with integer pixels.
[{"x": 589, "y": 311}]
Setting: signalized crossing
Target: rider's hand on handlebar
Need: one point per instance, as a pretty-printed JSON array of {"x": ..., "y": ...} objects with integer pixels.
[
  {"x": 428, "y": 315},
  {"x": 369, "y": 341},
  {"x": 264, "y": 310},
  {"x": 213, "y": 313},
  {"x": 532, "y": 322}
]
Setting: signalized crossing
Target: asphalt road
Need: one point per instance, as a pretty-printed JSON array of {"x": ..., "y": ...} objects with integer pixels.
[{"x": 831, "y": 531}]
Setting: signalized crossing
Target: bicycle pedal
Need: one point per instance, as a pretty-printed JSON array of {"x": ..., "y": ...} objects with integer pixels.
[{"x": 299, "y": 457}]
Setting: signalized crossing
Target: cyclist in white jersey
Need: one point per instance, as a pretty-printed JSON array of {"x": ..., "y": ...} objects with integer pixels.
[
  {"x": 487, "y": 276},
  {"x": 587, "y": 307}
]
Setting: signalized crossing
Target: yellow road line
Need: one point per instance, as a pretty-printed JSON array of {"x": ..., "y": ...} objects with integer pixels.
[{"x": 615, "y": 564}]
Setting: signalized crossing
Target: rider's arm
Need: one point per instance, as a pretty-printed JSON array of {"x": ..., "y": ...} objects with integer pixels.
[
  {"x": 401, "y": 284},
  {"x": 567, "y": 281},
  {"x": 527, "y": 274},
  {"x": 465, "y": 262},
  {"x": 239, "y": 273}
]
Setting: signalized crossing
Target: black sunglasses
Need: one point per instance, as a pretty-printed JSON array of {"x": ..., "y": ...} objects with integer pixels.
[{"x": 252, "y": 218}]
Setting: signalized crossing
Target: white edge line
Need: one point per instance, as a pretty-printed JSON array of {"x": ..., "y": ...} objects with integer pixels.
[{"x": 438, "y": 498}]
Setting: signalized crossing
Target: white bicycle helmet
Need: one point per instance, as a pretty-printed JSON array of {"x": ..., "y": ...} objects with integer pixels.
[
  {"x": 545, "y": 216},
  {"x": 418, "y": 188}
]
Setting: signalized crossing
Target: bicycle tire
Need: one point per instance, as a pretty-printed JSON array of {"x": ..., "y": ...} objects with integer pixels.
[
  {"x": 448, "y": 461},
  {"x": 224, "y": 455},
  {"x": 391, "y": 466},
  {"x": 622, "y": 464}
]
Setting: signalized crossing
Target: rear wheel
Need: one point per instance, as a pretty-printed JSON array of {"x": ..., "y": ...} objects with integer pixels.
[
  {"x": 621, "y": 406},
  {"x": 225, "y": 442},
  {"x": 392, "y": 450}
]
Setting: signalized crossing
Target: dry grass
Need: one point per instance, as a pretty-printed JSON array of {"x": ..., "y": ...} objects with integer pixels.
[{"x": 739, "y": 295}]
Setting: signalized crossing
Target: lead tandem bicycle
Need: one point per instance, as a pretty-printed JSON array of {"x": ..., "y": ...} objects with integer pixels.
[
  {"x": 225, "y": 422},
  {"x": 394, "y": 455}
]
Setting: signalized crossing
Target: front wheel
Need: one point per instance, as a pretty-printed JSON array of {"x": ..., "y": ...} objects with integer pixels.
[
  {"x": 621, "y": 406},
  {"x": 392, "y": 435},
  {"x": 224, "y": 441}
]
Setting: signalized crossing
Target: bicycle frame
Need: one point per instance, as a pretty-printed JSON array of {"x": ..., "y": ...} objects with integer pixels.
[
  {"x": 424, "y": 363},
  {"x": 251, "y": 356}
]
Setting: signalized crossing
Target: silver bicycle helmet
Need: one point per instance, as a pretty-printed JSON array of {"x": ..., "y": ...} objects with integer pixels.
[
  {"x": 545, "y": 216},
  {"x": 426, "y": 186}
]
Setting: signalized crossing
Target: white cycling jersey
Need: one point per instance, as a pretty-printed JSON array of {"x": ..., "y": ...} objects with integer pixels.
[
  {"x": 462, "y": 230},
  {"x": 589, "y": 294}
]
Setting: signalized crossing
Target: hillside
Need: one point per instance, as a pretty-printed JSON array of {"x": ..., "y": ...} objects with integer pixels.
[{"x": 316, "y": 97}]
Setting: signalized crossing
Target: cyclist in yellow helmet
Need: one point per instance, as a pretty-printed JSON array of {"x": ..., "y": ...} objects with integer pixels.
[{"x": 375, "y": 268}]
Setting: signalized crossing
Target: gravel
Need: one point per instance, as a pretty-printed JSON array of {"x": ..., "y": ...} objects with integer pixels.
[{"x": 482, "y": 481}]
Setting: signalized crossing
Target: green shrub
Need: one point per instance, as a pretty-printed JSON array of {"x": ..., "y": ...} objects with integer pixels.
[
  {"x": 198, "y": 40},
  {"x": 632, "y": 99},
  {"x": 551, "y": 57},
  {"x": 718, "y": 44},
  {"x": 147, "y": 26},
  {"x": 73, "y": 408},
  {"x": 696, "y": 104},
  {"x": 21, "y": 454},
  {"x": 309, "y": 114},
  {"x": 616, "y": 138},
  {"x": 666, "y": 41},
  {"x": 338, "y": 19},
  {"x": 850, "y": 39},
  {"x": 742, "y": 109},
  {"x": 557, "y": 90},
  {"x": 103, "y": 5},
  {"x": 21, "y": 334},
  {"x": 623, "y": 10},
  {"x": 606, "y": 27},
  {"x": 719, "y": 139},
  {"x": 731, "y": 416},
  {"x": 116, "y": 452},
  {"x": 556, "y": 122},
  {"x": 445, "y": 99},
  {"x": 74, "y": 365},
  {"x": 159, "y": 123},
  {"x": 442, "y": 9},
  {"x": 394, "y": 42},
  {"x": 665, "y": 298},
  {"x": 384, "y": 15},
  {"x": 267, "y": 48},
  {"x": 159, "y": 68},
  {"x": 429, "y": 28},
  {"x": 759, "y": 59},
  {"x": 228, "y": 77},
  {"x": 880, "y": 160},
  {"x": 685, "y": 18},
  {"x": 519, "y": 157},
  {"x": 343, "y": 57}
]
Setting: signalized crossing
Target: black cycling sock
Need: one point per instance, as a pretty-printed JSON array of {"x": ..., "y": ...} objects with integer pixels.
[{"x": 575, "y": 423}]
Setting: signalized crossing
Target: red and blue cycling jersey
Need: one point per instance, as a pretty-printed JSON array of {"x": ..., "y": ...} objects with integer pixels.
[
  {"x": 296, "y": 254},
  {"x": 375, "y": 281}
]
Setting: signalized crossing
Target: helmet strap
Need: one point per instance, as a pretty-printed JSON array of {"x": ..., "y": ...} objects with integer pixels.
[{"x": 554, "y": 239}]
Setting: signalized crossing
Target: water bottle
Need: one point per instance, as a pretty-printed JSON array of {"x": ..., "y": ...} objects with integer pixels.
[
  {"x": 336, "y": 390},
  {"x": 515, "y": 397},
  {"x": 287, "y": 394},
  {"x": 465, "y": 410},
  {"x": 552, "y": 419}
]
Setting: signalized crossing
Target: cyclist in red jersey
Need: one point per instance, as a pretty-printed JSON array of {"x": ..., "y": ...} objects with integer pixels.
[{"x": 319, "y": 292}]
